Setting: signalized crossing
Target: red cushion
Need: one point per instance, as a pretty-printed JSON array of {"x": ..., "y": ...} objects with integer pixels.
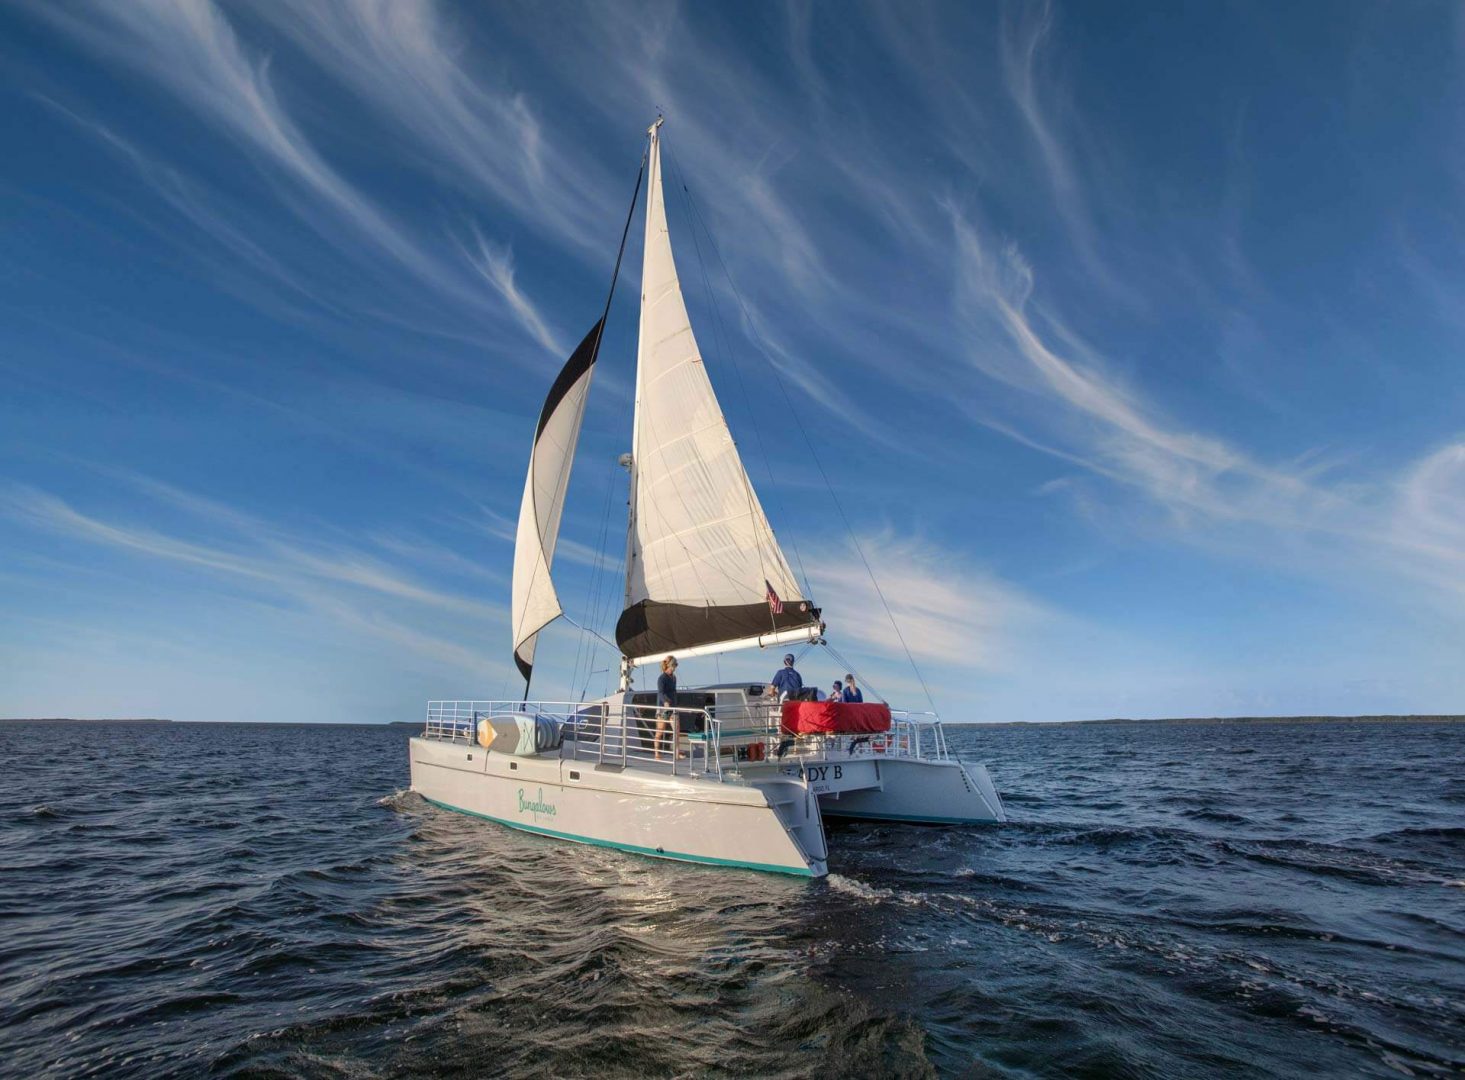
[{"x": 829, "y": 717}]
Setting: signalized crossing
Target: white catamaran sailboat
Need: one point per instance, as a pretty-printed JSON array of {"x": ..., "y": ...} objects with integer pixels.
[{"x": 729, "y": 776}]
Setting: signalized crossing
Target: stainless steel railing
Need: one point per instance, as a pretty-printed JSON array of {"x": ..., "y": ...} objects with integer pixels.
[
  {"x": 687, "y": 740},
  {"x": 678, "y": 740}
]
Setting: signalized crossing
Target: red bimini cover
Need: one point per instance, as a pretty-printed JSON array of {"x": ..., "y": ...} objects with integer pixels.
[{"x": 834, "y": 717}]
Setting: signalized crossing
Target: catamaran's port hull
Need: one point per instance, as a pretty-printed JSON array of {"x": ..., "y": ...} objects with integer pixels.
[
  {"x": 771, "y": 825},
  {"x": 921, "y": 792}
]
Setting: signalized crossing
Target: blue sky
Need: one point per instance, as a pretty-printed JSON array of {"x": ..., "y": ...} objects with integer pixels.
[{"x": 1130, "y": 337}]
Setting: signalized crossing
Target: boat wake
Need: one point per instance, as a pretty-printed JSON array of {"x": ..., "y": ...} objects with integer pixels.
[{"x": 399, "y": 799}]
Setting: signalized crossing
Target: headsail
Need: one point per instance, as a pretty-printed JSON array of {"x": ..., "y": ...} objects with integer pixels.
[
  {"x": 535, "y": 602},
  {"x": 702, "y": 564}
]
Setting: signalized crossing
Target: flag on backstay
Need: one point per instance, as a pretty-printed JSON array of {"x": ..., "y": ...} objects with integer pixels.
[{"x": 775, "y": 605}]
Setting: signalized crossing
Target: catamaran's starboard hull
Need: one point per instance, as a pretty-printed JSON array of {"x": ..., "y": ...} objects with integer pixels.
[
  {"x": 921, "y": 792},
  {"x": 772, "y": 826}
]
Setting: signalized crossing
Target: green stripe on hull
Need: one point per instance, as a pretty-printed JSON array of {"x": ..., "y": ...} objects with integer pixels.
[
  {"x": 706, "y": 860},
  {"x": 915, "y": 819}
]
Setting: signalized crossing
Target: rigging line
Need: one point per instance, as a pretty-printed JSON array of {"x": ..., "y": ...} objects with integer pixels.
[
  {"x": 620, "y": 254},
  {"x": 850, "y": 667},
  {"x": 839, "y": 505},
  {"x": 600, "y": 333},
  {"x": 609, "y": 606},
  {"x": 696, "y": 218},
  {"x": 720, "y": 331},
  {"x": 591, "y": 632},
  {"x": 592, "y": 607},
  {"x": 593, "y": 588},
  {"x": 604, "y": 592}
]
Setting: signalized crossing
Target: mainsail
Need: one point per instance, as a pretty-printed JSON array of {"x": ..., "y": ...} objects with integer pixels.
[
  {"x": 703, "y": 568},
  {"x": 535, "y": 602}
]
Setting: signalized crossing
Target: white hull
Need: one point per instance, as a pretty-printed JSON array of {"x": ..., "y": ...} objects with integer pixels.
[
  {"x": 947, "y": 792},
  {"x": 771, "y": 825},
  {"x": 718, "y": 804}
]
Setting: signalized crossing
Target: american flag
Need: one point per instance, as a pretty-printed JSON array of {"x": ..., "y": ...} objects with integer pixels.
[{"x": 775, "y": 605}]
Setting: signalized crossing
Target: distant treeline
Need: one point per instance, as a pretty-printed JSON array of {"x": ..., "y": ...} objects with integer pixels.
[
  {"x": 1414, "y": 719},
  {"x": 81, "y": 720}
]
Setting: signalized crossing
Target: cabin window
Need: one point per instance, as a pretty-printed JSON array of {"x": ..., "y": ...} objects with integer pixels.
[
  {"x": 574, "y": 775},
  {"x": 514, "y": 766}
]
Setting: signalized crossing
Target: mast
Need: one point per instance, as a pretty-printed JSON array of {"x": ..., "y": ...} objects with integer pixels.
[{"x": 653, "y": 179}]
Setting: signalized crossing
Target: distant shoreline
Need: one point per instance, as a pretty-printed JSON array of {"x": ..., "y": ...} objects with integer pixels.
[
  {"x": 1421, "y": 718},
  {"x": 82, "y": 720}
]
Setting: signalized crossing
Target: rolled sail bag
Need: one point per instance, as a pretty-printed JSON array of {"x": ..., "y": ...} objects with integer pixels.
[
  {"x": 834, "y": 717},
  {"x": 520, "y": 734}
]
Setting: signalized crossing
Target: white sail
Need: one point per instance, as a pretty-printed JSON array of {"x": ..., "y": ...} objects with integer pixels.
[
  {"x": 703, "y": 565},
  {"x": 535, "y": 604}
]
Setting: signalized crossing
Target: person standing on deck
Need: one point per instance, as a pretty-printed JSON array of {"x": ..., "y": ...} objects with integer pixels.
[
  {"x": 666, "y": 701},
  {"x": 851, "y": 691},
  {"x": 786, "y": 680}
]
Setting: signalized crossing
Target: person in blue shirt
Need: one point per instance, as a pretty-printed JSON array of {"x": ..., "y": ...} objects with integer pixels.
[
  {"x": 666, "y": 701},
  {"x": 851, "y": 691},
  {"x": 786, "y": 680}
]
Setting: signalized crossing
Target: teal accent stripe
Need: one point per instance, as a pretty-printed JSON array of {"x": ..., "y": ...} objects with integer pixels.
[
  {"x": 917, "y": 818},
  {"x": 706, "y": 860}
]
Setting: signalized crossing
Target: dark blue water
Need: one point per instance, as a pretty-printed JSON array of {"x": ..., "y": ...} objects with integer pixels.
[{"x": 1169, "y": 900}]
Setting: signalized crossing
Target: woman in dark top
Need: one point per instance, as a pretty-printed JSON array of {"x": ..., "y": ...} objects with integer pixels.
[{"x": 666, "y": 701}]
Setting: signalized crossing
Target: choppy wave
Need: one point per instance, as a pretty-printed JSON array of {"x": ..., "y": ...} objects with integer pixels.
[{"x": 1188, "y": 900}]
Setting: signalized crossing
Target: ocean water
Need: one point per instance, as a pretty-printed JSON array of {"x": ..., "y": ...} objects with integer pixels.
[{"x": 1168, "y": 900}]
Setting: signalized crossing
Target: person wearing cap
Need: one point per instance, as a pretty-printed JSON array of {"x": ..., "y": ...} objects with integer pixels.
[
  {"x": 851, "y": 691},
  {"x": 787, "y": 681},
  {"x": 666, "y": 701}
]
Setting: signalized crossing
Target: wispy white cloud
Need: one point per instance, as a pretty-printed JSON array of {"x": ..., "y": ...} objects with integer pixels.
[
  {"x": 497, "y": 267},
  {"x": 198, "y": 206},
  {"x": 406, "y": 59},
  {"x": 1026, "y": 56},
  {"x": 1430, "y": 522},
  {"x": 192, "y": 49},
  {"x": 339, "y": 582},
  {"x": 1082, "y": 414},
  {"x": 566, "y": 549},
  {"x": 949, "y": 612}
]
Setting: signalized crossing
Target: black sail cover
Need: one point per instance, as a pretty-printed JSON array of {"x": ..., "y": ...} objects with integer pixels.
[{"x": 652, "y": 627}]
